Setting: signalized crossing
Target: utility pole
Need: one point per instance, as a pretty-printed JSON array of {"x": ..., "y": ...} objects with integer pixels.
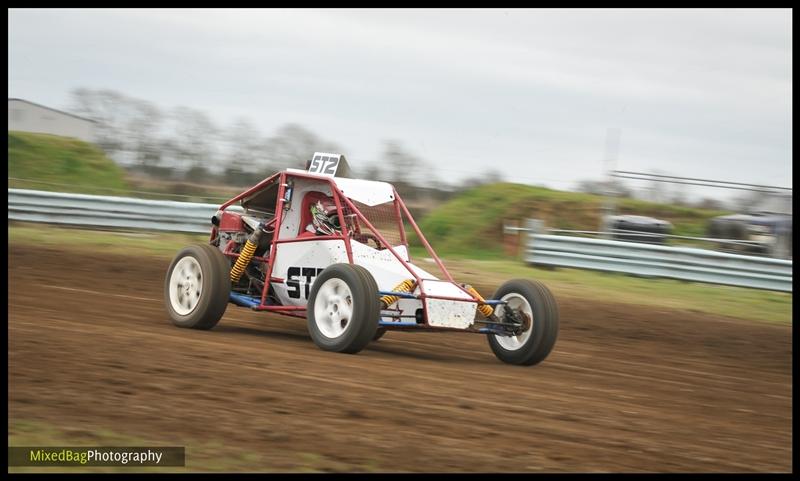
[{"x": 613, "y": 135}]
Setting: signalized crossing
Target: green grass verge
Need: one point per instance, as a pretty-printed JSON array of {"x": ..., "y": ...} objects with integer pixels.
[
  {"x": 201, "y": 456},
  {"x": 736, "y": 302},
  {"x": 731, "y": 301},
  {"x": 75, "y": 165},
  {"x": 471, "y": 224},
  {"x": 130, "y": 243}
]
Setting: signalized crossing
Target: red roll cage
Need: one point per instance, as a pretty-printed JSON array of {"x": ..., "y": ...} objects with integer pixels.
[{"x": 341, "y": 200}]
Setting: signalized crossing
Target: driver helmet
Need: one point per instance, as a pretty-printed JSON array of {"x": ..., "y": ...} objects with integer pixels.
[{"x": 324, "y": 217}]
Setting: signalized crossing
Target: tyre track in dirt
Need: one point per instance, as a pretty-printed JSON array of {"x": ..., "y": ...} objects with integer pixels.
[
  {"x": 569, "y": 435},
  {"x": 573, "y": 434},
  {"x": 380, "y": 363},
  {"x": 610, "y": 398},
  {"x": 733, "y": 380}
]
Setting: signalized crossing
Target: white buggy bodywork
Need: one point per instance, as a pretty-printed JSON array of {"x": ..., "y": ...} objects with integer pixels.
[{"x": 384, "y": 266}]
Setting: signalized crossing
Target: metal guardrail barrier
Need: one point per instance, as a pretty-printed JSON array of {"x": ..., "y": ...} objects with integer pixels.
[
  {"x": 644, "y": 260},
  {"x": 647, "y": 260},
  {"x": 649, "y": 235},
  {"x": 110, "y": 212},
  {"x": 632, "y": 233}
]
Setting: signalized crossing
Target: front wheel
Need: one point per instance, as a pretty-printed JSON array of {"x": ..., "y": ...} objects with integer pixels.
[
  {"x": 539, "y": 311},
  {"x": 343, "y": 309},
  {"x": 197, "y": 287}
]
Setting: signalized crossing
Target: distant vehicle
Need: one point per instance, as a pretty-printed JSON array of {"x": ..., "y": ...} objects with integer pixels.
[
  {"x": 333, "y": 250},
  {"x": 764, "y": 229},
  {"x": 638, "y": 228},
  {"x": 764, "y": 233}
]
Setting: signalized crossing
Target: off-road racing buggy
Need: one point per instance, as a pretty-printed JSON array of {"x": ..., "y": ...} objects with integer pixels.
[{"x": 319, "y": 245}]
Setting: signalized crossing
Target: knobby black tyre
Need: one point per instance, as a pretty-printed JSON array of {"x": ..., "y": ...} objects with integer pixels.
[
  {"x": 371, "y": 280},
  {"x": 197, "y": 287},
  {"x": 343, "y": 309},
  {"x": 532, "y": 346}
]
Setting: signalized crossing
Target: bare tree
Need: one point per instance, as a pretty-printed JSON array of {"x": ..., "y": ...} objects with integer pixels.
[
  {"x": 293, "y": 145},
  {"x": 432, "y": 180},
  {"x": 493, "y": 176},
  {"x": 373, "y": 171},
  {"x": 106, "y": 108},
  {"x": 244, "y": 157},
  {"x": 130, "y": 131},
  {"x": 401, "y": 164},
  {"x": 709, "y": 203},
  {"x": 591, "y": 187},
  {"x": 243, "y": 145},
  {"x": 126, "y": 127},
  {"x": 194, "y": 138},
  {"x": 142, "y": 131},
  {"x": 679, "y": 195},
  {"x": 657, "y": 193}
]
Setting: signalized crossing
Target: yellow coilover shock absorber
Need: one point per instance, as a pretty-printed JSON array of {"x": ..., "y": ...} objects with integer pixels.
[
  {"x": 246, "y": 255},
  {"x": 485, "y": 309},
  {"x": 404, "y": 286}
]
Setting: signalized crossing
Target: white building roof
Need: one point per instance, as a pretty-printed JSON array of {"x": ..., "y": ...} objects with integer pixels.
[{"x": 10, "y": 99}]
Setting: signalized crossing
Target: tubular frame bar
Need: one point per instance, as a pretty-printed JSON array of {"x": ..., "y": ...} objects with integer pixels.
[{"x": 340, "y": 199}]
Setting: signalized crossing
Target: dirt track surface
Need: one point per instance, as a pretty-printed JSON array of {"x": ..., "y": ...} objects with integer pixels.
[{"x": 626, "y": 388}]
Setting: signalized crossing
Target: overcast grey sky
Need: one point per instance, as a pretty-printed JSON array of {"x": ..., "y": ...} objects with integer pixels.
[{"x": 698, "y": 93}]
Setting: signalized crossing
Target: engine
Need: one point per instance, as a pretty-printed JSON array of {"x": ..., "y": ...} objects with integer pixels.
[{"x": 249, "y": 236}]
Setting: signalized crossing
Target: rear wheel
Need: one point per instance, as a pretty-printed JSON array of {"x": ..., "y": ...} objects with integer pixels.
[
  {"x": 197, "y": 287},
  {"x": 539, "y": 311},
  {"x": 343, "y": 309}
]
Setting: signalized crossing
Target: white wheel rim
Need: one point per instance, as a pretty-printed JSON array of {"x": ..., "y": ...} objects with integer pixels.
[
  {"x": 515, "y": 301},
  {"x": 185, "y": 285},
  {"x": 333, "y": 308}
]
